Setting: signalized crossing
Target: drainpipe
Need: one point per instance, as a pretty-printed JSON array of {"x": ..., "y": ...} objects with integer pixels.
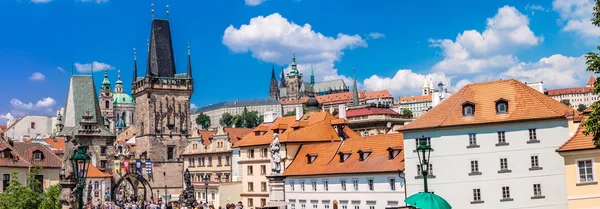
[{"x": 404, "y": 180}]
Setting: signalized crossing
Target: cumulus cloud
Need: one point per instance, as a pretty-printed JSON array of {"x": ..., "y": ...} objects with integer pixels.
[
  {"x": 5, "y": 117},
  {"x": 376, "y": 35},
  {"x": 254, "y": 2},
  {"x": 556, "y": 71},
  {"x": 472, "y": 51},
  {"x": 273, "y": 39},
  {"x": 43, "y": 106},
  {"x": 37, "y": 76},
  {"x": 533, "y": 8},
  {"x": 576, "y": 15},
  {"x": 408, "y": 82},
  {"x": 97, "y": 66},
  {"x": 40, "y": 1},
  {"x": 60, "y": 69}
]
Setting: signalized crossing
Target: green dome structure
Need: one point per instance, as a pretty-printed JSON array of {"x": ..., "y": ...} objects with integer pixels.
[{"x": 119, "y": 96}]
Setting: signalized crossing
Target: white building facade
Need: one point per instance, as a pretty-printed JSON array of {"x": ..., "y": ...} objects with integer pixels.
[
  {"x": 371, "y": 191},
  {"x": 578, "y": 95},
  {"x": 216, "y": 111},
  {"x": 30, "y": 126}
]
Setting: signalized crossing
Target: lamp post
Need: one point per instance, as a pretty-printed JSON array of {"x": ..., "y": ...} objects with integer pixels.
[
  {"x": 206, "y": 179},
  {"x": 423, "y": 152},
  {"x": 80, "y": 164}
]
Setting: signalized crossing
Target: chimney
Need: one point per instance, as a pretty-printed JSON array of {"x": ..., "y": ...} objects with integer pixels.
[
  {"x": 299, "y": 113},
  {"x": 342, "y": 111},
  {"x": 269, "y": 116}
]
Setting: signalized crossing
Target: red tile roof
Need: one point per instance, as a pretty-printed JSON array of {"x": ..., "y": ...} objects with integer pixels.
[
  {"x": 344, "y": 97},
  {"x": 378, "y": 94},
  {"x": 591, "y": 81},
  {"x": 2, "y": 128},
  {"x": 49, "y": 159},
  {"x": 524, "y": 103},
  {"x": 15, "y": 160},
  {"x": 369, "y": 111},
  {"x": 94, "y": 172},
  {"x": 236, "y": 134},
  {"x": 414, "y": 99},
  {"x": 206, "y": 136},
  {"x": 126, "y": 135},
  {"x": 57, "y": 143},
  {"x": 577, "y": 90},
  {"x": 316, "y": 127},
  {"x": 327, "y": 159},
  {"x": 579, "y": 141}
]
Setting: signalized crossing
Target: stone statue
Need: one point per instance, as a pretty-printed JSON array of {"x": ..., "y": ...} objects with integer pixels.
[
  {"x": 275, "y": 155},
  {"x": 67, "y": 179},
  {"x": 187, "y": 195}
]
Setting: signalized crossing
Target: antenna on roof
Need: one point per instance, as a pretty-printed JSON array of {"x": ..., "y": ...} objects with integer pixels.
[
  {"x": 152, "y": 5},
  {"x": 167, "y": 11}
]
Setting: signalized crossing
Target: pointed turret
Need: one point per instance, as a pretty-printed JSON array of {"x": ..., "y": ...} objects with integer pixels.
[
  {"x": 283, "y": 84},
  {"x": 294, "y": 71},
  {"x": 105, "y": 86},
  {"x": 312, "y": 76},
  {"x": 148, "y": 70},
  {"x": 161, "y": 61},
  {"x": 355, "y": 90},
  {"x": 189, "y": 65},
  {"x": 134, "y": 67},
  {"x": 273, "y": 89},
  {"x": 119, "y": 83}
]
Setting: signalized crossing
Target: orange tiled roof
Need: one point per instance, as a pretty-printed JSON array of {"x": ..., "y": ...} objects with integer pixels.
[
  {"x": 94, "y": 172},
  {"x": 576, "y": 90},
  {"x": 579, "y": 141},
  {"x": 370, "y": 111},
  {"x": 378, "y": 94},
  {"x": 206, "y": 136},
  {"x": 15, "y": 160},
  {"x": 414, "y": 99},
  {"x": 328, "y": 162},
  {"x": 236, "y": 134},
  {"x": 2, "y": 128},
  {"x": 344, "y": 97},
  {"x": 591, "y": 81},
  {"x": 316, "y": 127},
  {"x": 49, "y": 159},
  {"x": 56, "y": 143},
  {"x": 524, "y": 103}
]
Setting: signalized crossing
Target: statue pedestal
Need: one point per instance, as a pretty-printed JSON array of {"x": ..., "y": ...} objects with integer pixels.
[
  {"x": 276, "y": 191},
  {"x": 68, "y": 195}
]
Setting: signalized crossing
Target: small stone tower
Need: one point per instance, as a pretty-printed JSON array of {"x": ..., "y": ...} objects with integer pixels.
[{"x": 106, "y": 101}]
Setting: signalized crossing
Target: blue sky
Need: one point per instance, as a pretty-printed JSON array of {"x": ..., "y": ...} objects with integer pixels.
[{"x": 394, "y": 45}]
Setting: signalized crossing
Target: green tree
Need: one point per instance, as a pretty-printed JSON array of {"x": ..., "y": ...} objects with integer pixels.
[
  {"x": 252, "y": 119},
  {"x": 290, "y": 113},
  {"x": 226, "y": 120},
  {"x": 238, "y": 121},
  {"x": 406, "y": 112},
  {"x": 19, "y": 196},
  {"x": 50, "y": 198},
  {"x": 203, "y": 120},
  {"x": 581, "y": 107},
  {"x": 592, "y": 124},
  {"x": 566, "y": 102}
]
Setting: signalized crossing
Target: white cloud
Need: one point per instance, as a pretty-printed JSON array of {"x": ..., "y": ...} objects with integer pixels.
[
  {"x": 97, "y": 1},
  {"x": 40, "y": 1},
  {"x": 473, "y": 52},
  {"x": 37, "y": 76},
  {"x": 87, "y": 67},
  {"x": 576, "y": 15},
  {"x": 533, "y": 8},
  {"x": 46, "y": 102},
  {"x": 556, "y": 71},
  {"x": 5, "y": 117},
  {"x": 60, "y": 69},
  {"x": 273, "y": 39},
  {"x": 376, "y": 35},
  {"x": 408, "y": 82},
  {"x": 43, "y": 106},
  {"x": 254, "y": 2}
]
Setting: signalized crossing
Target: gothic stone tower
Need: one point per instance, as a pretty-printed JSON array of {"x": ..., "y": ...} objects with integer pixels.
[
  {"x": 106, "y": 102},
  {"x": 274, "y": 89},
  {"x": 162, "y": 113},
  {"x": 294, "y": 81}
]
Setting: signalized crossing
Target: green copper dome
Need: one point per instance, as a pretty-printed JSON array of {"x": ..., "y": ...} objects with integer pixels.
[{"x": 122, "y": 98}]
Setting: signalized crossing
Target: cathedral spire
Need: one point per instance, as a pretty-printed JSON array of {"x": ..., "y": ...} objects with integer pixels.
[
  {"x": 312, "y": 76},
  {"x": 134, "y": 66},
  {"x": 273, "y": 89},
  {"x": 283, "y": 84},
  {"x": 189, "y": 67},
  {"x": 355, "y": 90}
]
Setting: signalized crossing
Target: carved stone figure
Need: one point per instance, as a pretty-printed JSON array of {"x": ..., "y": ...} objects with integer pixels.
[
  {"x": 187, "y": 195},
  {"x": 275, "y": 155}
]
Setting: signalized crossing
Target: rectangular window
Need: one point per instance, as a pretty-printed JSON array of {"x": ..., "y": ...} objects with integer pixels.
[
  {"x": 392, "y": 184},
  {"x": 370, "y": 183},
  {"x": 32, "y": 125},
  {"x": 250, "y": 186},
  {"x": 170, "y": 152},
  {"x": 250, "y": 202},
  {"x": 263, "y": 186},
  {"x": 325, "y": 185},
  {"x": 474, "y": 166},
  {"x": 355, "y": 184},
  {"x": 503, "y": 164},
  {"x": 209, "y": 161},
  {"x": 250, "y": 170},
  {"x": 291, "y": 185},
  {"x": 371, "y": 207},
  {"x": 303, "y": 206},
  {"x": 5, "y": 181},
  {"x": 40, "y": 180},
  {"x": 302, "y": 185},
  {"x": 343, "y": 183},
  {"x": 37, "y": 156},
  {"x": 501, "y": 137},
  {"x": 227, "y": 159},
  {"x": 265, "y": 152},
  {"x": 219, "y": 161},
  {"x": 476, "y": 195},
  {"x": 537, "y": 190},
  {"x": 344, "y": 207},
  {"x": 263, "y": 202},
  {"x": 263, "y": 169},
  {"x": 314, "y": 185},
  {"x": 203, "y": 162},
  {"x": 505, "y": 192},
  {"x": 315, "y": 206},
  {"x": 472, "y": 139},
  {"x": 586, "y": 170},
  {"x": 534, "y": 161},
  {"x": 293, "y": 206},
  {"x": 356, "y": 207},
  {"x": 103, "y": 150},
  {"x": 251, "y": 153},
  {"x": 532, "y": 135},
  {"x": 103, "y": 164}
]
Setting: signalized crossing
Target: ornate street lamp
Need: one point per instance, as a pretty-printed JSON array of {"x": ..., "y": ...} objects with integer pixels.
[
  {"x": 423, "y": 152},
  {"x": 206, "y": 179},
  {"x": 80, "y": 162}
]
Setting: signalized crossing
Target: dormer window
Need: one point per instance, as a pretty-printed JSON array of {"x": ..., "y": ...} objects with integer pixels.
[
  {"x": 37, "y": 155},
  {"x": 502, "y": 106},
  {"x": 344, "y": 155},
  {"x": 393, "y": 152},
  {"x": 364, "y": 153},
  {"x": 468, "y": 109},
  {"x": 311, "y": 157},
  {"x": 6, "y": 153}
]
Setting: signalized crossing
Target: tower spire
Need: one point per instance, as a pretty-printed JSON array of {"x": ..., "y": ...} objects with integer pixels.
[
  {"x": 134, "y": 66},
  {"x": 189, "y": 67},
  {"x": 355, "y": 90},
  {"x": 312, "y": 76},
  {"x": 283, "y": 83},
  {"x": 273, "y": 90},
  {"x": 152, "y": 5},
  {"x": 167, "y": 11}
]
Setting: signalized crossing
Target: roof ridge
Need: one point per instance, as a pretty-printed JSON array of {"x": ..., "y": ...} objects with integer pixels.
[
  {"x": 455, "y": 103},
  {"x": 529, "y": 90}
]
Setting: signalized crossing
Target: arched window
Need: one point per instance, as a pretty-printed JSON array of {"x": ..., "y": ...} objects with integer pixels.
[
  {"x": 106, "y": 104},
  {"x": 502, "y": 106},
  {"x": 96, "y": 185},
  {"x": 468, "y": 109}
]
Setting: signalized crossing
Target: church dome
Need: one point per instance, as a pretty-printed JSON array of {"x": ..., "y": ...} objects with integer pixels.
[
  {"x": 122, "y": 98},
  {"x": 312, "y": 105}
]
